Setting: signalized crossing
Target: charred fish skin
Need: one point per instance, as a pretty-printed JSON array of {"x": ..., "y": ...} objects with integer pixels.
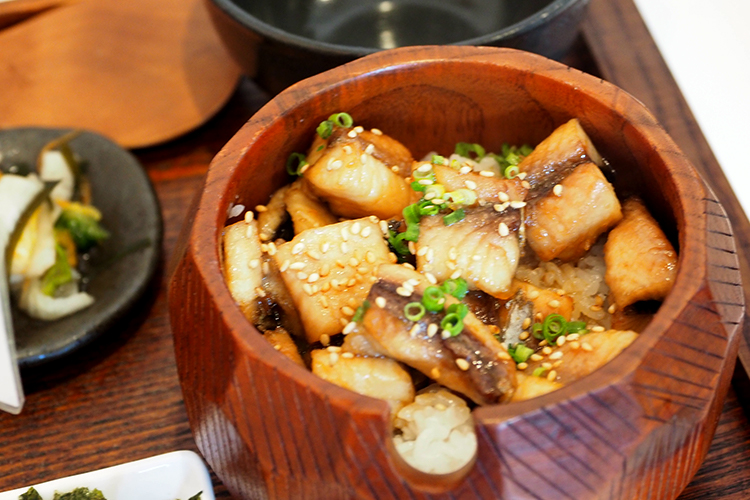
[
  {"x": 466, "y": 365},
  {"x": 567, "y": 147}
]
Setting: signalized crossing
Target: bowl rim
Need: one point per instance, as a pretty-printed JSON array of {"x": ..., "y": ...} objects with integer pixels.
[
  {"x": 230, "y": 7},
  {"x": 226, "y": 166}
]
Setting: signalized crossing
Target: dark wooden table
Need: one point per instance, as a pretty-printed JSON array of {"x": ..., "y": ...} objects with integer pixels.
[{"x": 119, "y": 399}]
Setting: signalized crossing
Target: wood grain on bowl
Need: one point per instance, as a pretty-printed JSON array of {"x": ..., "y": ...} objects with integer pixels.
[{"x": 638, "y": 427}]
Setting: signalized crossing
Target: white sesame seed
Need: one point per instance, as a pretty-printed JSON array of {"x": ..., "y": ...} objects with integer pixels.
[
  {"x": 383, "y": 227},
  {"x": 503, "y": 196},
  {"x": 325, "y": 246},
  {"x": 456, "y": 274},
  {"x": 301, "y": 275},
  {"x": 260, "y": 292},
  {"x": 431, "y": 278},
  {"x": 365, "y": 231},
  {"x": 536, "y": 357},
  {"x": 575, "y": 345},
  {"x": 376, "y": 131},
  {"x": 344, "y": 234},
  {"x": 517, "y": 204},
  {"x": 403, "y": 292},
  {"x": 359, "y": 129},
  {"x": 572, "y": 336},
  {"x": 552, "y": 375},
  {"x": 277, "y": 347},
  {"x": 414, "y": 330},
  {"x": 487, "y": 173},
  {"x": 344, "y": 247},
  {"x": 356, "y": 228},
  {"x": 297, "y": 249},
  {"x": 254, "y": 263},
  {"x": 313, "y": 278},
  {"x": 522, "y": 175},
  {"x": 249, "y": 216},
  {"x": 612, "y": 309},
  {"x": 586, "y": 346},
  {"x": 471, "y": 184},
  {"x": 465, "y": 170},
  {"x": 297, "y": 266},
  {"x": 597, "y": 328},
  {"x": 284, "y": 266},
  {"x": 380, "y": 301},
  {"x": 370, "y": 149},
  {"x": 522, "y": 366},
  {"x": 452, "y": 253},
  {"x": 533, "y": 294},
  {"x": 503, "y": 229},
  {"x": 554, "y": 303},
  {"x": 557, "y": 190},
  {"x": 546, "y": 350},
  {"x": 333, "y": 357},
  {"x": 430, "y": 255},
  {"x": 337, "y": 164},
  {"x": 261, "y": 208},
  {"x": 422, "y": 251},
  {"x": 352, "y": 134},
  {"x": 308, "y": 289},
  {"x": 347, "y": 310},
  {"x": 272, "y": 248},
  {"x": 363, "y": 158},
  {"x": 412, "y": 248},
  {"x": 445, "y": 334},
  {"x": 347, "y": 149},
  {"x": 347, "y": 355},
  {"x": 526, "y": 184},
  {"x": 432, "y": 329},
  {"x": 557, "y": 354},
  {"x": 523, "y": 336},
  {"x": 462, "y": 364}
]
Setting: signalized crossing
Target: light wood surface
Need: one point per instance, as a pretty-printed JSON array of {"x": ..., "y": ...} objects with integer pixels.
[{"x": 138, "y": 71}]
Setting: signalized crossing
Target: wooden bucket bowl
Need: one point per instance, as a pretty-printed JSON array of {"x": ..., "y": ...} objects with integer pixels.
[{"x": 638, "y": 427}]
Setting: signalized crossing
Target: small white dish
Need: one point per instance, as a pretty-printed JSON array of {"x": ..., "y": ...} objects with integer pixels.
[{"x": 175, "y": 475}]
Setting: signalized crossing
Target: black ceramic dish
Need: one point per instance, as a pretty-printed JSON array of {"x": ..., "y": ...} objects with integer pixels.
[
  {"x": 121, "y": 269},
  {"x": 279, "y": 42}
]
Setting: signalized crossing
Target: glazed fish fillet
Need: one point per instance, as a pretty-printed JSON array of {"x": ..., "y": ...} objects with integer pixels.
[
  {"x": 274, "y": 214},
  {"x": 488, "y": 189},
  {"x": 556, "y": 156},
  {"x": 568, "y": 220},
  {"x": 329, "y": 271},
  {"x": 583, "y": 356},
  {"x": 242, "y": 265},
  {"x": 472, "y": 363},
  {"x": 361, "y": 173},
  {"x": 641, "y": 262},
  {"x": 380, "y": 378},
  {"x": 476, "y": 248},
  {"x": 307, "y": 211}
]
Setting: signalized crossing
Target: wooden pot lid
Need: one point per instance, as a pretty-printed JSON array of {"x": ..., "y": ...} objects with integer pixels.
[{"x": 139, "y": 72}]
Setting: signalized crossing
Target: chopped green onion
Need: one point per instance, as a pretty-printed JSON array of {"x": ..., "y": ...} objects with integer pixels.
[
  {"x": 321, "y": 147},
  {"x": 536, "y": 331},
  {"x": 295, "y": 162},
  {"x": 463, "y": 196},
  {"x": 325, "y": 129},
  {"x": 576, "y": 327},
  {"x": 511, "y": 171},
  {"x": 465, "y": 149},
  {"x": 414, "y": 311},
  {"x": 525, "y": 150},
  {"x": 433, "y": 299},
  {"x": 456, "y": 287},
  {"x": 434, "y": 191},
  {"x": 538, "y": 371},
  {"x": 416, "y": 186},
  {"x": 460, "y": 308},
  {"x": 411, "y": 213},
  {"x": 429, "y": 209},
  {"x": 419, "y": 175},
  {"x": 553, "y": 327},
  {"x": 520, "y": 353},
  {"x": 453, "y": 323},
  {"x": 396, "y": 240},
  {"x": 453, "y": 217},
  {"x": 437, "y": 160},
  {"x": 342, "y": 120},
  {"x": 360, "y": 312}
]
